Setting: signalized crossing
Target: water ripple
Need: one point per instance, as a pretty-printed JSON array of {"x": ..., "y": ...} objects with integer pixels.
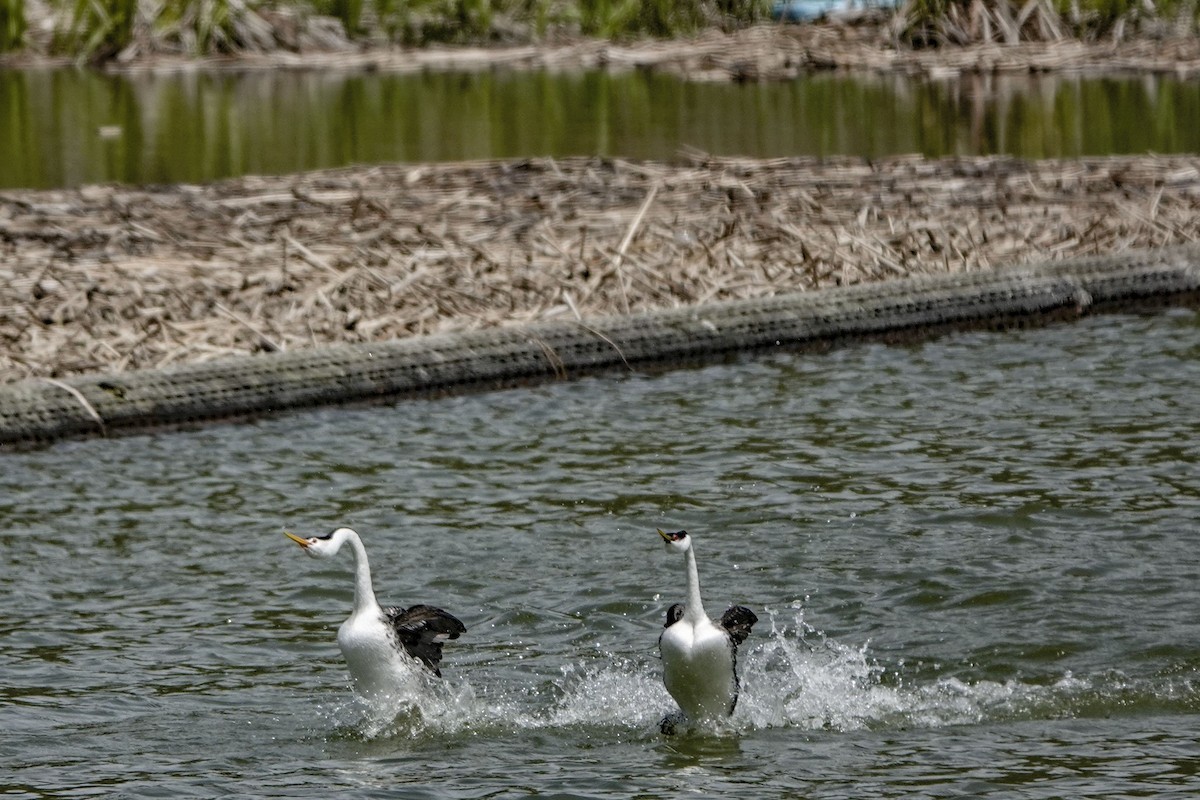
[{"x": 973, "y": 559}]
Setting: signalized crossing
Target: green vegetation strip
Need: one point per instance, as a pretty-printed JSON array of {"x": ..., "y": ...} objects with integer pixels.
[
  {"x": 42, "y": 410},
  {"x": 103, "y": 30}
]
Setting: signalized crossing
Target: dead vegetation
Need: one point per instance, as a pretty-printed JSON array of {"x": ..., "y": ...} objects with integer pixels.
[
  {"x": 113, "y": 278},
  {"x": 762, "y": 52}
]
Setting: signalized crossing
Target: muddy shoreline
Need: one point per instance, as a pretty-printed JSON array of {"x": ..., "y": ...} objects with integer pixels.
[
  {"x": 115, "y": 278},
  {"x": 761, "y": 52}
]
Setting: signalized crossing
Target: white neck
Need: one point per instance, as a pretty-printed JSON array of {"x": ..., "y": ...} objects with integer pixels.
[
  {"x": 694, "y": 610},
  {"x": 364, "y": 594}
]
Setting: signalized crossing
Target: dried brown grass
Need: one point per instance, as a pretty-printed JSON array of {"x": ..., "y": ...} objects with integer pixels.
[
  {"x": 113, "y": 278},
  {"x": 761, "y": 52}
]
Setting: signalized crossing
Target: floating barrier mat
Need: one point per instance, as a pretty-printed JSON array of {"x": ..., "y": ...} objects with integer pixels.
[{"x": 44, "y": 410}]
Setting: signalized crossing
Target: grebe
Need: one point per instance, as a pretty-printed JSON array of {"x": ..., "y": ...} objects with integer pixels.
[
  {"x": 381, "y": 644},
  {"x": 699, "y": 654}
]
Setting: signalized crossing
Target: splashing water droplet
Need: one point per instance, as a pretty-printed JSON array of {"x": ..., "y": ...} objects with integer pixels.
[{"x": 792, "y": 675}]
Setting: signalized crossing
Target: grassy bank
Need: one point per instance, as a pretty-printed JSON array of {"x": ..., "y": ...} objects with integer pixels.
[{"x": 101, "y": 30}]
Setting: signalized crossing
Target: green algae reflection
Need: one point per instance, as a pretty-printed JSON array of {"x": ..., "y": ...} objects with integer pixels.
[{"x": 72, "y": 127}]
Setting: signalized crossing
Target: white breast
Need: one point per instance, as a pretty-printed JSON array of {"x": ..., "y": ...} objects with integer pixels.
[
  {"x": 698, "y": 669},
  {"x": 377, "y": 666}
]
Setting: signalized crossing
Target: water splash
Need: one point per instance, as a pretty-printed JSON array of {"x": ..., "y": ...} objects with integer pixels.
[
  {"x": 420, "y": 703},
  {"x": 794, "y": 676},
  {"x": 799, "y": 677},
  {"x": 621, "y": 692}
]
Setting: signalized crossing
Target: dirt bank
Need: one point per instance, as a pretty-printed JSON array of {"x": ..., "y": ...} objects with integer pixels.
[
  {"x": 115, "y": 278},
  {"x": 761, "y": 52},
  {"x": 764, "y": 52}
]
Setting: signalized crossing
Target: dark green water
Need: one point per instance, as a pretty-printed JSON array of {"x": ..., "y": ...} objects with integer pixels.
[
  {"x": 67, "y": 127},
  {"x": 976, "y": 562}
]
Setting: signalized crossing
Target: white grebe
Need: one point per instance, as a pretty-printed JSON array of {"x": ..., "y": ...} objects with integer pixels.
[
  {"x": 699, "y": 655},
  {"x": 380, "y": 644}
]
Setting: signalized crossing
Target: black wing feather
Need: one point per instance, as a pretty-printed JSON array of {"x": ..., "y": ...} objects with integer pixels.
[
  {"x": 737, "y": 622},
  {"x": 422, "y": 629},
  {"x": 674, "y": 614}
]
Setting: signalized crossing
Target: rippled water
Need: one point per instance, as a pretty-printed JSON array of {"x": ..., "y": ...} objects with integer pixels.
[{"x": 975, "y": 561}]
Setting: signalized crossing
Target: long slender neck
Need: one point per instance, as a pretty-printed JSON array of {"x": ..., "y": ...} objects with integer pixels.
[
  {"x": 695, "y": 607},
  {"x": 364, "y": 594}
]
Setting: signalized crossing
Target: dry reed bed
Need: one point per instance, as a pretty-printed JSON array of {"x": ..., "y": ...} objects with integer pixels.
[
  {"x": 110, "y": 278},
  {"x": 762, "y": 52}
]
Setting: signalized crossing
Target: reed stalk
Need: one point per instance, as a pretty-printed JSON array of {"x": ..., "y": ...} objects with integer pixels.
[
  {"x": 666, "y": 18},
  {"x": 426, "y": 21},
  {"x": 93, "y": 30},
  {"x": 925, "y": 23},
  {"x": 12, "y": 24},
  {"x": 96, "y": 29}
]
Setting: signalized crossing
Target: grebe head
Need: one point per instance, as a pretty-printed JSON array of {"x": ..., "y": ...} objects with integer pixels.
[
  {"x": 677, "y": 542},
  {"x": 322, "y": 546}
]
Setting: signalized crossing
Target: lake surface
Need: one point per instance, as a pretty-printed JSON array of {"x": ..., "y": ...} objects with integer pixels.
[
  {"x": 975, "y": 563},
  {"x": 72, "y": 127}
]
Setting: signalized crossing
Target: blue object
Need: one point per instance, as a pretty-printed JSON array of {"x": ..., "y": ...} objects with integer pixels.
[{"x": 808, "y": 10}]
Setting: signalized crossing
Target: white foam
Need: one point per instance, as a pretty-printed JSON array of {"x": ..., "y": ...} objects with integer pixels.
[{"x": 793, "y": 676}]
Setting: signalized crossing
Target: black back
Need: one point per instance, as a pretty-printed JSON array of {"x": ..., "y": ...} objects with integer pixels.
[
  {"x": 422, "y": 629},
  {"x": 737, "y": 622}
]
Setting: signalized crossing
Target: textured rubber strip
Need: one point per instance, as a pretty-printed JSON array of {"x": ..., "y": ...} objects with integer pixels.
[{"x": 40, "y": 410}]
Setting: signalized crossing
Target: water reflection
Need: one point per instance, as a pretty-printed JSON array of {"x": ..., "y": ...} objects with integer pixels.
[{"x": 67, "y": 127}]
